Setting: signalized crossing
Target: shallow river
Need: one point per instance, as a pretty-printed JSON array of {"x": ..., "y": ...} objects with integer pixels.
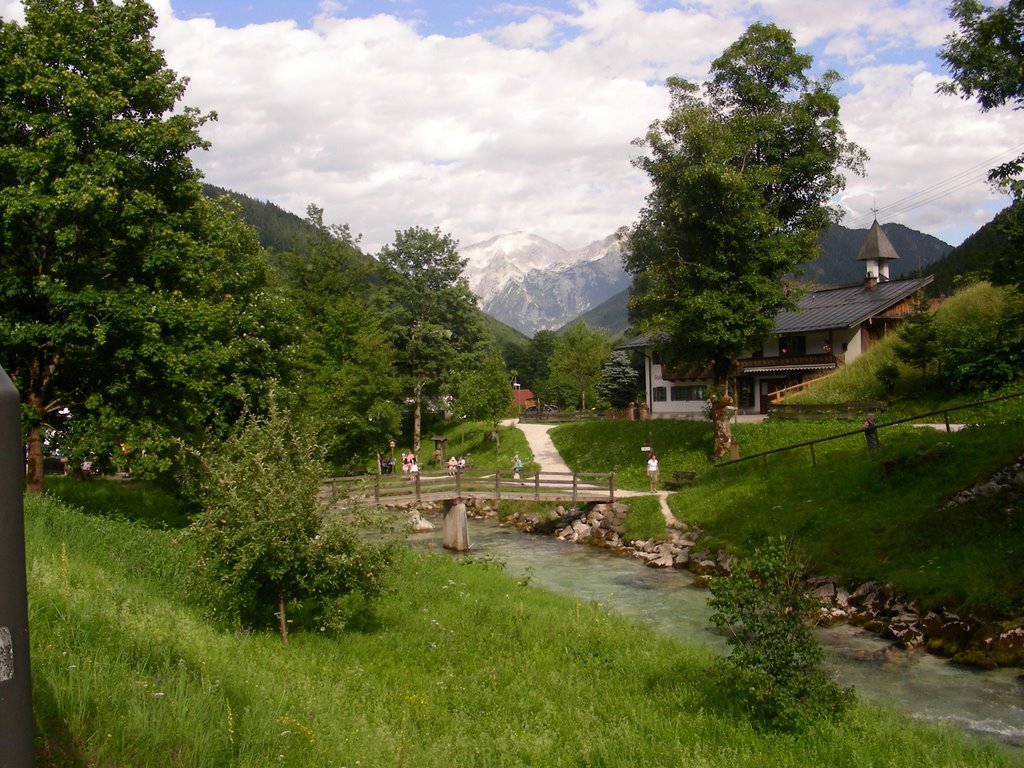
[{"x": 926, "y": 687}]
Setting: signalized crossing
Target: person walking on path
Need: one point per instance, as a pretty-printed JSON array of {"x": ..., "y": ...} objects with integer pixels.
[{"x": 652, "y": 471}]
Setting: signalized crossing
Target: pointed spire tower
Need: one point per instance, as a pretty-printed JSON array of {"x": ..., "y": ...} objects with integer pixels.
[{"x": 876, "y": 252}]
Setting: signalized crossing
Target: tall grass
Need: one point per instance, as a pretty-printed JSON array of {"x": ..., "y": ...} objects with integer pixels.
[{"x": 460, "y": 665}]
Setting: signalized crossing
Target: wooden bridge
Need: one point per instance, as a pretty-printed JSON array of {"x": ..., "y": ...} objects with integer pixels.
[{"x": 497, "y": 485}]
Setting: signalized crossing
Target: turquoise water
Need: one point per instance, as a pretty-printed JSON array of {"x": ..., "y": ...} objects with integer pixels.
[{"x": 924, "y": 686}]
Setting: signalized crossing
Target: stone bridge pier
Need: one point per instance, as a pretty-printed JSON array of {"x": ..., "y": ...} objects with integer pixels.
[{"x": 456, "y": 529}]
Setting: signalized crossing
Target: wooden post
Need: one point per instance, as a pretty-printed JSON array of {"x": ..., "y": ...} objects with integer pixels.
[
  {"x": 574, "y": 478},
  {"x": 417, "y": 481},
  {"x": 813, "y": 462},
  {"x": 456, "y": 530},
  {"x": 376, "y": 489},
  {"x": 536, "y": 485},
  {"x": 611, "y": 486},
  {"x": 497, "y": 484}
]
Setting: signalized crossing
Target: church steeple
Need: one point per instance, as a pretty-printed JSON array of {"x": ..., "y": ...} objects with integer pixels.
[{"x": 877, "y": 252}]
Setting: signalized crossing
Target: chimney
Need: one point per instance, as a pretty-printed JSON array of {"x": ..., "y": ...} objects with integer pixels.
[{"x": 870, "y": 281}]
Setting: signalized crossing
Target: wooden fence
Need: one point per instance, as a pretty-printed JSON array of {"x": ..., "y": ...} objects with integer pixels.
[{"x": 398, "y": 489}]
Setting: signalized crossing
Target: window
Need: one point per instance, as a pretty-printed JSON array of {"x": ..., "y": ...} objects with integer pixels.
[
  {"x": 680, "y": 392},
  {"x": 792, "y": 345},
  {"x": 658, "y": 395}
]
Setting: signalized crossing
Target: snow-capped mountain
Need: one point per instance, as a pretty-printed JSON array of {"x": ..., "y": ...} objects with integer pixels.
[{"x": 532, "y": 284}]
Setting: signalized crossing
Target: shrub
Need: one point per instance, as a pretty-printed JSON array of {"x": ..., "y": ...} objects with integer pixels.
[
  {"x": 765, "y": 610},
  {"x": 263, "y": 537}
]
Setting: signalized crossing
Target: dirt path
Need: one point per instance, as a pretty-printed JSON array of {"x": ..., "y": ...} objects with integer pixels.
[{"x": 550, "y": 460}]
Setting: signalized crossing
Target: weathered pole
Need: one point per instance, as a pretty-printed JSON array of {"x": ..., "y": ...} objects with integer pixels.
[
  {"x": 15, "y": 677},
  {"x": 456, "y": 530}
]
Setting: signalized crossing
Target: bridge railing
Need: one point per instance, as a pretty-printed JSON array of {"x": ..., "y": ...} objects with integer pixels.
[{"x": 475, "y": 483}]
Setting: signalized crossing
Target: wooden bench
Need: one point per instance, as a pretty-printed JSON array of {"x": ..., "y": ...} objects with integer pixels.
[{"x": 680, "y": 478}]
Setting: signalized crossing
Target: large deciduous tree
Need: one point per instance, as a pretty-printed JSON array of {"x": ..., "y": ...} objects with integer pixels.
[
  {"x": 431, "y": 313},
  {"x": 742, "y": 178},
  {"x": 344, "y": 363},
  {"x": 986, "y": 59},
  {"x": 579, "y": 355},
  {"x": 121, "y": 289}
]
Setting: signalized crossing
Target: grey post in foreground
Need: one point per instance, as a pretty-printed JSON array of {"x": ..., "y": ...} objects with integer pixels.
[
  {"x": 456, "y": 531},
  {"x": 15, "y": 679}
]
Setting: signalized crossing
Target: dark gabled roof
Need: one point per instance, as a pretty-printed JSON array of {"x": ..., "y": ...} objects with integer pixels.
[
  {"x": 845, "y": 307},
  {"x": 876, "y": 246},
  {"x": 643, "y": 341}
]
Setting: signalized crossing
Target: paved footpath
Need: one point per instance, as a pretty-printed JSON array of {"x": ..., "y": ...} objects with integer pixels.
[{"x": 550, "y": 460}]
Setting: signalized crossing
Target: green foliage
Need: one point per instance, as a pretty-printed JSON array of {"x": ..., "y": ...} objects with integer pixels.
[
  {"x": 139, "y": 501},
  {"x": 619, "y": 380},
  {"x": 126, "y": 297},
  {"x": 888, "y": 375},
  {"x": 483, "y": 393},
  {"x": 986, "y": 60},
  {"x": 766, "y": 611},
  {"x": 263, "y": 536},
  {"x": 982, "y": 338},
  {"x": 918, "y": 343},
  {"x": 578, "y": 356}
]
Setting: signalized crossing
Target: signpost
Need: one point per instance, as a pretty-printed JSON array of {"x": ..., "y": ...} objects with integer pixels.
[{"x": 15, "y": 678}]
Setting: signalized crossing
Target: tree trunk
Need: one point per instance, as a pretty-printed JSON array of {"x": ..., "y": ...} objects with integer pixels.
[
  {"x": 282, "y": 621},
  {"x": 721, "y": 410},
  {"x": 36, "y": 482},
  {"x": 417, "y": 392}
]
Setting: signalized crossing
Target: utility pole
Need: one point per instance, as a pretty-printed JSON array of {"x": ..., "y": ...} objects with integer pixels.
[{"x": 15, "y": 675}]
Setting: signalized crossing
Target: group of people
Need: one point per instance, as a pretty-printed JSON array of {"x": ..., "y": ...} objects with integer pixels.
[{"x": 456, "y": 464}]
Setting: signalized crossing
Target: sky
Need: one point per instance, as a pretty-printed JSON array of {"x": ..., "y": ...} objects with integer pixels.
[{"x": 483, "y": 118}]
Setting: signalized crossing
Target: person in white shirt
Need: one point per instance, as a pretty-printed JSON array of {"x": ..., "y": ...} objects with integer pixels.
[{"x": 652, "y": 472}]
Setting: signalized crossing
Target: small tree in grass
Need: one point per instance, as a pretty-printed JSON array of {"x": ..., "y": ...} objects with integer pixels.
[
  {"x": 766, "y": 612},
  {"x": 264, "y": 538}
]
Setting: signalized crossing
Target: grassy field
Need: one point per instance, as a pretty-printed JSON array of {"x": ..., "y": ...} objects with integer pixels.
[
  {"x": 459, "y": 665},
  {"x": 856, "y": 514}
]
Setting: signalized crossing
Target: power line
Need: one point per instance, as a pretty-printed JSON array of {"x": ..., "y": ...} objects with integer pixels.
[{"x": 970, "y": 176}]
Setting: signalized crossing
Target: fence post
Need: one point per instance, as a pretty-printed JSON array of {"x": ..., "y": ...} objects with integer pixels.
[
  {"x": 611, "y": 485},
  {"x": 814, "y": 463},
  {"x": 574, "y": 479},
  {"x": 497, "y": 484},
  {"x": 536, "y": 486},
  {"x": 945, "y": 415},
  {"x": 15, "y": 671}
]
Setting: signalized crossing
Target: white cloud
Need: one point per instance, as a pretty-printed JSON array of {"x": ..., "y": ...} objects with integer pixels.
[{"x": 528, "y": 126}]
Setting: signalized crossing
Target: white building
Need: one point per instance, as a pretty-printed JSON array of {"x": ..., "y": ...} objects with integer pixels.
[{"x": 829, "y": 328}]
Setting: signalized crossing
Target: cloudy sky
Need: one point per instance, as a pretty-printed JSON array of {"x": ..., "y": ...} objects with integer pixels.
[{"x": 485, "y": 117}]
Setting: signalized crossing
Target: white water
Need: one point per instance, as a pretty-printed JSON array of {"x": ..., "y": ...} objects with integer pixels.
[{"x": 924, "y": 686}]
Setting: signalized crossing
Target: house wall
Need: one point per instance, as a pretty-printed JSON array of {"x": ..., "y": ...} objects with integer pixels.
[{"x": 682, "y": 398}]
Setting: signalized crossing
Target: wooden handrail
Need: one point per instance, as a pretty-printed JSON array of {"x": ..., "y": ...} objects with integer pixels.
[{"x": 476, "y": 483}]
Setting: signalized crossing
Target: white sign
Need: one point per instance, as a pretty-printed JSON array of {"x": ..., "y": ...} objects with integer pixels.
[{"x": 645, "y": 448}]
